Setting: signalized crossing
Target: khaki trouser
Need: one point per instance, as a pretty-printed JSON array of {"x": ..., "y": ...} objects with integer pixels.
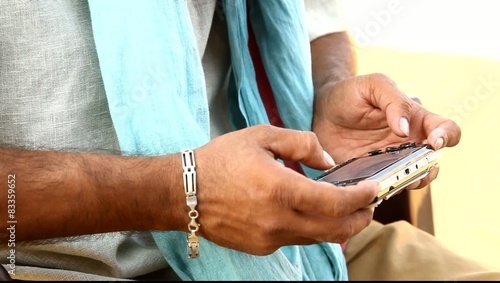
[{"x": 399, "y": 251}]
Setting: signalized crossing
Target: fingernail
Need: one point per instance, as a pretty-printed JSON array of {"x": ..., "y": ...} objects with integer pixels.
[
  {"x": 328, "y": 158},
  {"x": 439, "y": 143},
  {"x": 404, "y": 126}
]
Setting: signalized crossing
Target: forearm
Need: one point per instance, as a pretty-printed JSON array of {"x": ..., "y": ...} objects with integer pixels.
[
  {"x": 60, "y": 194},
  {"x": 333, "y": 59}
]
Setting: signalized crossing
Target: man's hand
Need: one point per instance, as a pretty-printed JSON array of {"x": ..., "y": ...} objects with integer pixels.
[
  {"x": 363, "y": 113},
  {"x": 250, "y": 202},
  {"x": 247, "y": 200}
]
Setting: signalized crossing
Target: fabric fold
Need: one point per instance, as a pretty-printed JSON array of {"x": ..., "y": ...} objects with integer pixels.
[{"x": 155, "y": 87}]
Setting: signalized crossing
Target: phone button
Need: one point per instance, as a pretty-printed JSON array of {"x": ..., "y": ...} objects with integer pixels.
[
  {"x": 408, "y": 145},
  {"x": 375, "y": 152},
  {"x": 391, "y": 149}
]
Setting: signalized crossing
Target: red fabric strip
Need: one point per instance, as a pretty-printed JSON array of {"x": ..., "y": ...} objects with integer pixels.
[
  {"x": 267, "y": 95},
  {"x": 266, "y": 92}
]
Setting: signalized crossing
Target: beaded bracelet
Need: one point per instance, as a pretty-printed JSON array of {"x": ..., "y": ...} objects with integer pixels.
[{"x": 189, "y": 175}]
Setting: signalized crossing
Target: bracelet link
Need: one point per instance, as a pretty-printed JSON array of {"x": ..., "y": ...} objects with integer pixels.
[
  {"x": 193, "y": 245},
  {"x": 189, "y": 176},
  {"x": 191, "y": 201}
]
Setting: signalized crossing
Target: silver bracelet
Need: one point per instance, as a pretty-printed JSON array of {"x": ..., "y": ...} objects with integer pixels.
[{"x": 189, "y": 175}]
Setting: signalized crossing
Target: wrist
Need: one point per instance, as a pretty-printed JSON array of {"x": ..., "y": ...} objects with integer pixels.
[
  {"x": 333, "y": 59},
  {"x": 139, "y": 193},
  {"x": 161, "y": 195}
]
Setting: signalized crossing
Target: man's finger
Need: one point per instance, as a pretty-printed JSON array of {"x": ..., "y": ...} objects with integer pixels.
[
  {"x": 396, "y": 105},
  {"x": 295, "y": 145},
  {"x": 323, "y": 198}
]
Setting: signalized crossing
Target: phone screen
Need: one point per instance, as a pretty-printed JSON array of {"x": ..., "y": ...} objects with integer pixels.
[{"x": 364, "y": 167}]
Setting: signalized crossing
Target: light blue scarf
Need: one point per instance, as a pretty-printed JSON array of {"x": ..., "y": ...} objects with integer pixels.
[{"x": 155, "y": 87}]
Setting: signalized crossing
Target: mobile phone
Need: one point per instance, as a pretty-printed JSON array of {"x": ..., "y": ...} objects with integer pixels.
[{"x": 395, "y": 168}]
